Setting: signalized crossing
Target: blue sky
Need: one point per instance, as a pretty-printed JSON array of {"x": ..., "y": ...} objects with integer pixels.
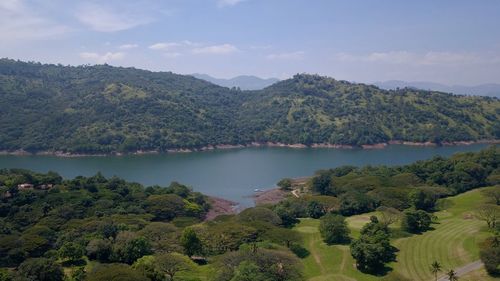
[{"x": 451, "y": 42}]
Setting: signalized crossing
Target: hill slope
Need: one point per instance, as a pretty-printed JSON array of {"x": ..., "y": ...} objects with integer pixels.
[{"x": 104, "y": 109}]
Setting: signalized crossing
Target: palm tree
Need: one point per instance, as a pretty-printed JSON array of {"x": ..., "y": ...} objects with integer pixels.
[
  {"x": 435, "y": 269},
  {"x": 452, "y": 275}
]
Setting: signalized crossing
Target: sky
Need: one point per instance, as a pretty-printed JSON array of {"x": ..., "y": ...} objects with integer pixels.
[{"x": 446, "y": 41}]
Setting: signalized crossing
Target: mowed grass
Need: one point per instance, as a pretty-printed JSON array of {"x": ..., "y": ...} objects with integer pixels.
[
  {"x": 453, "y": 243},
  {"x": 327, "y": 263}
]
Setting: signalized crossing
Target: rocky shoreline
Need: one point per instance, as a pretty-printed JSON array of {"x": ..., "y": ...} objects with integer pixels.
[
  {"x": 21, "y": 152},
  {"x": 221, "y": 206}
]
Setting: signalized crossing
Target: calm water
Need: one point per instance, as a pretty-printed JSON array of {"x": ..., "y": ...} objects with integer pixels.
[{"x": 232, "y": 174}]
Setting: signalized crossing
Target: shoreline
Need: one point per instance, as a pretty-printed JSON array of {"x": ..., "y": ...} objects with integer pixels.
[{"x": 383, "y": 145}]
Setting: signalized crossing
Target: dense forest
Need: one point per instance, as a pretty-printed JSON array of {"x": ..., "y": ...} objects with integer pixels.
[
  {"x": 105, "y": 109},
  {"x": 97, "y": 228}
]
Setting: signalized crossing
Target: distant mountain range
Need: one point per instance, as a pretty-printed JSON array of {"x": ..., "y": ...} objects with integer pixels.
[
  {"x": 244, "y": 82},
  {"x": 491, "y": 90}
]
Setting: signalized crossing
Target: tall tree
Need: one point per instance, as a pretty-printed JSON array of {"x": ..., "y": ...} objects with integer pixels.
[
  {"x": 172, "y": 263},
  {"x": 435, "y": 269},
  {"x": 190, "y": 242},
  {"x": 333, "y": 229}
]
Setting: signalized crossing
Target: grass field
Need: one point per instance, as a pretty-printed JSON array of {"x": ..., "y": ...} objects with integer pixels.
[{"x": 453, "y": 243}]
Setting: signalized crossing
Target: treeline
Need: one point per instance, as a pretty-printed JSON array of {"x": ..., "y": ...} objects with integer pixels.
[
  {"x": 104, "y": 109},
  {"x": 97, "y": 228}
]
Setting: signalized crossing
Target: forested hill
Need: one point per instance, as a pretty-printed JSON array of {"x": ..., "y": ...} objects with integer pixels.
[{"x": 105, "y": 109}]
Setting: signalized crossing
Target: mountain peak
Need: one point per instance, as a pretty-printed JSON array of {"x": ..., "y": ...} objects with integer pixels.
[{"x": 244, "y": 82}]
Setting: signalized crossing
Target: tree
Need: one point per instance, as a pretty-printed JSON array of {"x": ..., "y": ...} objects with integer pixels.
[
  {"x": 491, "y": 259},
  {"x": 115, "y": 272},
  {"x": 490, "y": 254},
  {"x": 259, "y": 214},
  {"x": 333, "y": 229},
  {"x": 354, "y": 202},
  {"x": 435, "y": 269},
  {"x": 41, "y": 269},
  {"x": 488, "y": 213},
  {"x": 5, "y": 275},
  {"x": 190, "y": 242},
  {"x": 147, "y": 265},
  {"x": 165, "y": 207},
  {"x": 249, "y": 271},
  {"x": 99, "y": 249},
  {"x": 128, "y": 247},
  {"x": 79, "y": 274},
  {"x": 285, "y": 184},
  {"x": 423, "y": 199},
  {"x": 315, "y": 210},
  {"x": 172, "y": 263},
  {"x": 452, "y": 275},
  {"x": 492, "y": 193},
  {"x": 373, "y": 249},
  {"x": 274, "y": 264},
  {"x": 388, "y": 215},
  {"x": 416, "y": 221},
  {"x": 320, "y": 183},
  {"x": 71, "y": 251}
]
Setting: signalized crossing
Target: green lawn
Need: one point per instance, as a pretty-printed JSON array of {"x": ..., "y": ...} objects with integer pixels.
[
  {"x": 327, "y": 262},
  {"x": 453, "y": 243}
]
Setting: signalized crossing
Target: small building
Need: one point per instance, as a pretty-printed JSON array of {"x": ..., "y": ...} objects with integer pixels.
[{"x": 25, "y": 186}]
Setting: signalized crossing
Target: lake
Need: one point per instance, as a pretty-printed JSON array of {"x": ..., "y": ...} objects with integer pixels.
[{"x": 231, "y": 173}]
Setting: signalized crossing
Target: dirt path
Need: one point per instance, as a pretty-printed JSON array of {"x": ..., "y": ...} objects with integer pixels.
[
  {"x": 344, "y": 259},
  {"x": 317, "y": 258},
  {"x": 464, "y": 269},
  {"x": 295, "y": 193}
]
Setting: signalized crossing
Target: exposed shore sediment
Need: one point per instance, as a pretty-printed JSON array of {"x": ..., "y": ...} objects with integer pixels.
[{"x": 21, "y": 152}]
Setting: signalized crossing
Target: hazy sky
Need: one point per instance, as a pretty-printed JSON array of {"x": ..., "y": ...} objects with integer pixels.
[{"x": 452, "y": 42}]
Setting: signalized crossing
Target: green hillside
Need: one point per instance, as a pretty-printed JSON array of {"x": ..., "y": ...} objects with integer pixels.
[{"x": 105, "y": 109}]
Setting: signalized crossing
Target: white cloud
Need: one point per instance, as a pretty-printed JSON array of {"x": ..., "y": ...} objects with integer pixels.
[
  {"x": 18, "y": 21},
  {"x": 261, "y": 47},
  {"x": 172, "y": 55},
  {"x": 104, "y": 58},
  {"x": 224, "y": 3},
  {"x": 413, "y": 58},
  {"x": 128, "y": 46},
  {"x": 216, "y": 49},
  {"x": 287, "y": 56},
  {"x": 104, "y": 19},
  {"x": 191, "y": 43},
  {"x": 164, "y": 46}
]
